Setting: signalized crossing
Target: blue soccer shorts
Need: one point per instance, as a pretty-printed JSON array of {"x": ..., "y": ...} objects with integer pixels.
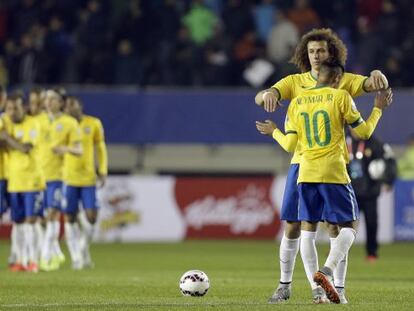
[
  {"x": 334, "y": 203},
  {"x": 53, "y": 195},
  {"x": 25, "y": 204},
  {"x": 72, "y": 196},
  {"x": 290, "y": 202}
]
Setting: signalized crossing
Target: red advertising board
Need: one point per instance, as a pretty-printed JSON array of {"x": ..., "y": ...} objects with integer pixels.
[{"x": 236, "y": 207}]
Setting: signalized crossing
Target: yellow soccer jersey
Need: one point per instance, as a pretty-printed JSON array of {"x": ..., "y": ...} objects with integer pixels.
[
  {"x": 293, "y": 85},
  {"x": 44, "y": 122},
  {"x": 6, "y": 126},
  {"x": 318, "y": 116},
  {"x": 62, "y": 131},
  {"x": 2, "y": 154},
  {"x": 80, "y": 171},
  {"x": 24, "y": 168}
]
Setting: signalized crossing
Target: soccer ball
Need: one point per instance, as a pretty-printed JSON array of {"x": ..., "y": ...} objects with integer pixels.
[{"x": 194, "y": 283}]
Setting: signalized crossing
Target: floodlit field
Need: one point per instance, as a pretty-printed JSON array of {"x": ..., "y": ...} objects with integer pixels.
[{"x": 242, "y": 273}]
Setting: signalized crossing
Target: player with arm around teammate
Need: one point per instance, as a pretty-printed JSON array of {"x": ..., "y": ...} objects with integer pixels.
[
  {"x": 80, "y": 180},
  {"x": 25, "y": 183},
  {"x": 315, "y": 47},
  {"x": 316, "y": 120}
]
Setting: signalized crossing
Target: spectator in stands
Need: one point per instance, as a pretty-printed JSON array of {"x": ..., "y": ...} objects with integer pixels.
[
  {"x": 217, "y": 59},
  {"x": 182, "y": 58},
  {"x": 58, "y": 46},
  {"x": 201, "y": 22},
  {"x": 237, "y": 19},
  {"x": 264, "y": 15},
  {"x": 406, "y": 162},
  {"x": 282, "y": 39},
  {"x": 303, "y": 16},
  {"x": 128, "y": 69},
  {"x": 372, "y": 165},
  {"x": 29, "y": 61}
]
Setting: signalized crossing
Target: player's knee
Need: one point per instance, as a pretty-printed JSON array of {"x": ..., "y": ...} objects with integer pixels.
[
  {"x": 309, "y": 226},
  {"x": 30, "y": 220},
  {"x": 292, "y": 230},
  {"x": 333, "y": 230},
  {"x": 70, "y": 218}
]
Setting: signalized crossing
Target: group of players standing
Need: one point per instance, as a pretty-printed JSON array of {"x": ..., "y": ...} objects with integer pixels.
[
  {"x": 318, "y": 187},
  {"x": 48, "y": 153}
]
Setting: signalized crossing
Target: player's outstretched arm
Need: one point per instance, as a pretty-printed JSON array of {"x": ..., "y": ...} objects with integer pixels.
[
  {"x": 377, "y": 81},
  {"x": 268, "y": 98},
  {"x": 382, "y": 100},
  {"x": 287, "y": 142},
  {"x": 14, "y": 144}
]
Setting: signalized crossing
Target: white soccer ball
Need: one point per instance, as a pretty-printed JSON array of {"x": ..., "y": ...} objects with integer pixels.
[{"x": 194, "y": 283}]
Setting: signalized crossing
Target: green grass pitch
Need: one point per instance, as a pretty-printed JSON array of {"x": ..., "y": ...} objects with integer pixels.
[{"x": 242, "y": 274}]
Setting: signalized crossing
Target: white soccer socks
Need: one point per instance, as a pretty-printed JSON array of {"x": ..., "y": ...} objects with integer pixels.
[
  {"x": 29, "y": 242},
  {"x": 287, "y": 254},
  {"x": 39, "y": 238},
  {"x": 72, "y": 239},
  {"x": 340, "y": 249},
  {"x": 47, "y": 250},
  {"x": 309, "y": 255},
  {"x": 56, "y": 251},
  {"x": 341, "y": 268}
]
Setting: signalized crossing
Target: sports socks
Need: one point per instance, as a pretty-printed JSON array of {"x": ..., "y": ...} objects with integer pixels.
[
  {"x": 309, "y": 255},
  {"x": 340, "y": 249},
  {"x": 287, "y": 254},
  {"x": 72, "y": 239},
  {"x": 341, "y": 268}
]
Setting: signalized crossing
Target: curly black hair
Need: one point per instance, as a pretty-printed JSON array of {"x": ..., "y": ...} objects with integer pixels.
[{"x": 337, "y": 49}]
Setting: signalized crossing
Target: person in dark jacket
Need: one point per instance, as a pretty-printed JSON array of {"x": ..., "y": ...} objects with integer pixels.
[{"x": 372, "y": 166}]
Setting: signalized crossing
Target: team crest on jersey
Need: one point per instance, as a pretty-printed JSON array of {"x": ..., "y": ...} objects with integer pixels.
[
  {"x": 59, "y": 127},
  {"x": 19, "y": 134},
  {"x": 33, "y": 133},
  {"x": 87, "y": 130}
]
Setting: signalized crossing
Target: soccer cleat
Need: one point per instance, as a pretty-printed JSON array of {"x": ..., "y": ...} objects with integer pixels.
[
  {"x": 87, "y": 260},
  {"x": 17, "y": 267},
  {"x": 341, "y": 294},
  {"x": 319, "y": 296},
  {"x": 371, "y": 259},
  {"x": 323, "y": 280},
  {"x": 32, "y": 267},
  {"x": 61, "y": 259},
  {"x": 281, "y": 294},
  {"x": 47, "y": 266},
  {"x": 77, "y": 265}
]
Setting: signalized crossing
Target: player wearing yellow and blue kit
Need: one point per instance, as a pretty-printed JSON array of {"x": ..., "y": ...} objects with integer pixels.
[
  {"x": 315, "y": 47},
  {"x": 4, "y": 120},
  {"x": 63, "y": 137},
  {"x": 315, "y": 120},
  {"x": 80, "y": 179},
  {"x": 36, "y": 110},
  {"x": 25, "y": 182}
]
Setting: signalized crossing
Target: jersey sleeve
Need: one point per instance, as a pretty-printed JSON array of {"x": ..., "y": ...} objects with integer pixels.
[
  {"x": 353, "y": 118},
  {"x": 287, "y": 141},
  {"x": 354, "y": 84},
  {"x": 284, "y": 87},
  {"x": 102, "y": 154}
]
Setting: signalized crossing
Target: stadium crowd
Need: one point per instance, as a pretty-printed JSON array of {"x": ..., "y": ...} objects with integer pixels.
[{"x": 192, "y": 42}]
